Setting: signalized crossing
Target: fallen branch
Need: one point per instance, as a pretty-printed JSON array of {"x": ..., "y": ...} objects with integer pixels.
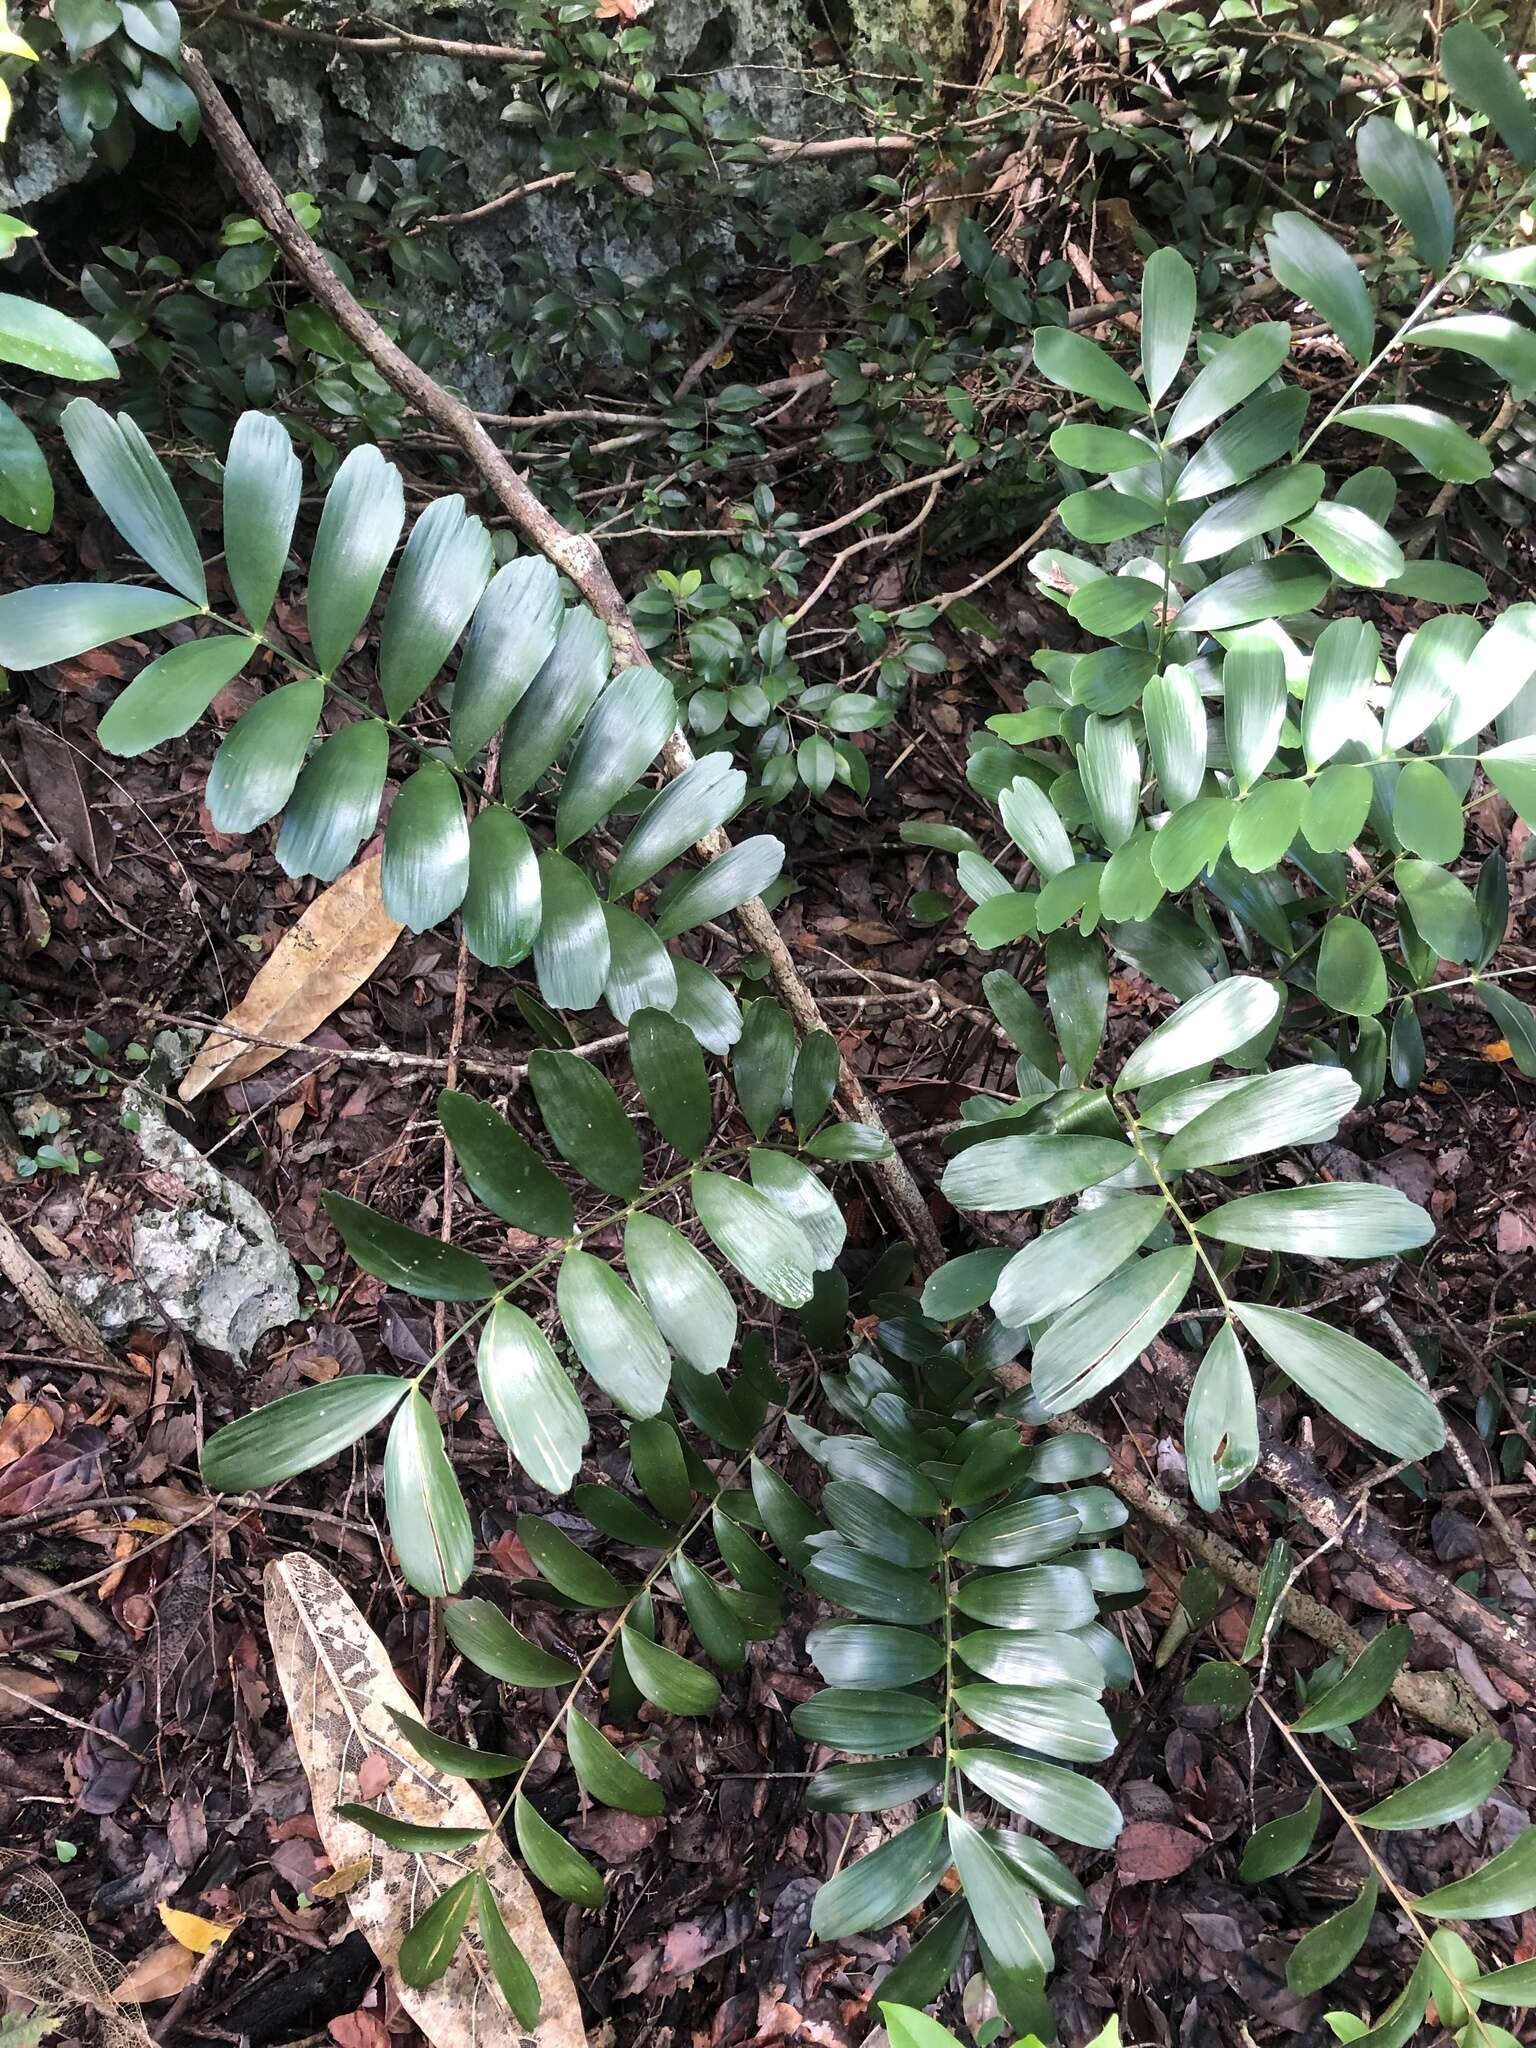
[
  {"x": 1441, "y": 1699},
  {"x": 74, "y": 1330},
  {"x": 574, "y": 555}
]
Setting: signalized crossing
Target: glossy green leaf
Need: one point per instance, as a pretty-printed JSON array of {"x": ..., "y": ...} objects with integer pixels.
[
  {"x": 1237, "y": 369},
  {"x": 263, "y": 479},
  {"x": 1099, "y": 451},
  {"x": 1042, "y": 1596},
  {"x": 552, "y": 1859},
  {"x": 961, "y": 1286},
  {"x": 1443, "y": 909},
  {"x": 1112, "y": 605},
  {"x": 34, "y": 337},
  {"x": 1019, "y": 1532},
  {"x": 359, "y": 526},
  {"x": 1447, "y": 451},
  {"x": 1403, "y": 172},
  {"x": 805, "y": 1200},
  {"x": 568, "y": 1568},
  {"x": 1265, "y": 825},
  {"x": 1174, "y": 715},
  {"x": 442, "y": 572},
  {"x": 885, "y": 1885},
  {"x": 762, "y": 1063},
  {"x": 921, "y": 1974},
  {"x": 259, "y": 758},
  {"x": 717, "y": 1625},
  {"x": 1087, "y": 1348},
  {"x": 870, "y": 1522},
  {"x": 786, "y": 1517},
  {"x": 404, "y": 1834},
  {"x": 1032, "y": 823},
  {"x": 626, "y": 730},
  {"x": 1426, "y": 812},
  {"x": 530, "y": 1399},
  {"x": 130, "y": 485},
  {"x": 668, "y": 1681},
  {"x": 818, "y": 1068},
  {"x": 1209, "y": 1027},
  {"x": 1337, "y": 1220},
  {"x": 586, "y": 1121},
  {"x": 1311, "y": 264},
  {"x": 424, "y": 1507},
  {"x": 1080, "y": 365},
  {"x": 1298, "y": 1106},
  {"x": 502, "y": 1169},
  {"x": 428, "y": 1947},
  {"x": 1335, "y": 807},
  {"x": 1449, "y": 1792},
  {"x": 168, "y": 698},
  {"x": 1005, "y": 1909},
  {"x": 1027, "y": 1172},
  {"x": 871, "y": 1656},
  {"x": 872, "y": 1722},
  {"x": 1430, "y": 670},
  {"x": 1504, "y": 664},
  {"x": 609, "y": 1777},
  {"x": 872, "y": 1787},
  {"x": 335, "y": 803},
  {"x": 515, "y": 1981},
  {"x": 1357, "y": 1386},
  {"x": 458, "y": 1759},
  {"x": 551, "y": 709},
  {"x": 1265, "y": 429},
  {"x": 1481, "y": 77},
  {"x": 1192, "y": 841},
  {"x": 1505, "y": 345},
  {"x": 1356, "y": 548},
  {"x": 707, "y": 794},
  {"x": 1280, "y": 1844},
  {"x": 57, "y": 621},
  {"x": 750, "y": 867},
  {"x": 1351, "y": 974},
  {"x": 1060, "y": 1266},
  {"x": 669, "y": 1070},
  {"x": 1329, "y": 1948},
  {"x": 1077, "y": 992},
  {"x": 1051, "y": 1721},
  {"x": 483, "y": 1634},
  {"x": 765, "y": 1246},
  {"x": 510, "y": 638},
  {"x": 1512, "y": 771},
  {"x": 1255, "y": 700},
  {"x": 873, "y": 1587},
  {"x": 686, "y": 1298},
  {"x": 1109, "y": 763},
  {"x": 1503, "y": 1888},
  {"x": 1363, "y": 1687},
  {"x": 1263, "y": 506},
  {"x": 640, "y": 971},
  {"x": 426, "y": 849},
  {"x": 1516, "y": 1021},
  {"x": 405, "y": 1258},
  {"x": 1221, "y": 1423},
  {"x": 1035, "y": 1657},
  {"x": 1167, "y": 319},
  {"x": 1278, "y": 589},
  {"x": 1074, "y": 1808},
  {"x": 297, "y": 1432},
  {"x": 571, "y": 954},
  {"x": 613, "y": 1335}
]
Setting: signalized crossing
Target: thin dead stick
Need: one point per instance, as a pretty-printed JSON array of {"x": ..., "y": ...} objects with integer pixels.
[
  {"x": 74, "y": 1330},
  {"x": 574, "y": 555}
]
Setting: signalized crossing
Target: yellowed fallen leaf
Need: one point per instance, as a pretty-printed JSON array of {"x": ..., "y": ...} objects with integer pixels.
[
  {"x": 193, "y": 1931},
  {"x": 340, "y": 1882},
  {"x": 162, "y": 1973},
  {"x": 1500, "y": 1050},
  {"x": 341, "y": 1689},
  {"x": 338, "y": 942}
]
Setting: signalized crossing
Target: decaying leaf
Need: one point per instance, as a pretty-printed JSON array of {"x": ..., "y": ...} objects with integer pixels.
[
  {"x": 160, "y": 1973},
  {"x": 341, "y": 1692},
  {"x": 326, "y": 958},
  {"x": 48, "y": 1959},
  {"x": 193, "y": 1931}
]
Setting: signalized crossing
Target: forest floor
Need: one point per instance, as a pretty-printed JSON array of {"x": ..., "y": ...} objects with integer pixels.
[{"x": 145, "y": 1757}]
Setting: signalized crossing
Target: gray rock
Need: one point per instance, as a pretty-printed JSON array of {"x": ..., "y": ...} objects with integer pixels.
[{"x": 214, "y": 1267}]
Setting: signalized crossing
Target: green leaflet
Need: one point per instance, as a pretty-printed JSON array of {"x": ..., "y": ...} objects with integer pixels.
[
  {"x": 510, "y": 637},
  {"x": 263, "y": 479},
  {"x": 445, "y": 566},
  {"x": 427, "y": 1516},
  {"x": 128, "y": 482},
  {"x": 259, "y": 758},
  {"x": 34, "y": 337},
  {"x": 530, "y": 1399},
  {"x": 1087, "y": 1348},
  {"x": 170, "y": 696},
  {"x": 359, "y": 526},
  {"x": 335, "y": 802},
  {"x": 426, "y": 849},
  {"x": 613, "y": 1335},
  {"x": 623, "y": 735}
]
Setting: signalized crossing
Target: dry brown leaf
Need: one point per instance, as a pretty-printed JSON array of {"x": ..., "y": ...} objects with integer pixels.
[
  {"x": 338, "y": 942},
  {"x": 341, "y": 1688},
  {"x": 162, "y": 1973}
]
